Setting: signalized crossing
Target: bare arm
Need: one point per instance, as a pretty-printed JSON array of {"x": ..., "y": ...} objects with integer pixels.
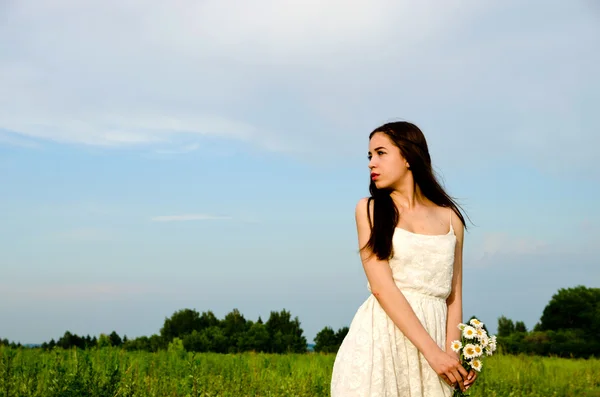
[
  {"x": 454, "y": 301},
  {"x": 387, "y": 293}
]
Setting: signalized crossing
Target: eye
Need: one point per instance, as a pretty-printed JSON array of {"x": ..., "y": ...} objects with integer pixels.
[{"x": 380, "y": 152}]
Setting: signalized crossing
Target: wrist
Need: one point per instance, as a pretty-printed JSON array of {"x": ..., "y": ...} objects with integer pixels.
[
  {"x": 449, "y": 349},
  {"x": 431, "y": 350},
  {"x": 453, "y": 354}
]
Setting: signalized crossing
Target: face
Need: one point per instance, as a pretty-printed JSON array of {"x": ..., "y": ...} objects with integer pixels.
[{"x": 388, "y": 166}]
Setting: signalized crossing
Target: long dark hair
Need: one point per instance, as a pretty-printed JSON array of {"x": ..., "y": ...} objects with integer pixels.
[{"x": 413, "y": 147}]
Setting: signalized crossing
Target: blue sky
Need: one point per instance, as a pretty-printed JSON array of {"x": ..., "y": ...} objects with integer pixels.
[{"x": 157, "y": 156}]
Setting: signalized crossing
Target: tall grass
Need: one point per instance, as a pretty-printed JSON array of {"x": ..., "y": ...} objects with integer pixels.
[{"x": 113, "y": 372}]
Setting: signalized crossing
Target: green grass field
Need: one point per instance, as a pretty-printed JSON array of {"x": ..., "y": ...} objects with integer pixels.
[{"x": 114, "y": 372}]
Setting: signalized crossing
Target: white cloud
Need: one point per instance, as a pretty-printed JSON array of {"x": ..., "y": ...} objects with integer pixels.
[
  {"x": 16, "y": 140},
  {"x": 505, "y": 244},
  {"x": 491, "y": 79},
  {"x": 188, "y": 217},
  {"x": 491, "y": 248}
]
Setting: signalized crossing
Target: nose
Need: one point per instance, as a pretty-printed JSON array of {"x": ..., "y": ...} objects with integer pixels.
[{"x": 372, "y": 163}]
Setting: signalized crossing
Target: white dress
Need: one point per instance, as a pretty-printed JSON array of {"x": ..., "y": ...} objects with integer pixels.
[{"x": 375, "y": 359}]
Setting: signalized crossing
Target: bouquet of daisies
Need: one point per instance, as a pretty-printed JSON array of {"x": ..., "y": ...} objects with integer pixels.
[{"x": 474, "y": 342}]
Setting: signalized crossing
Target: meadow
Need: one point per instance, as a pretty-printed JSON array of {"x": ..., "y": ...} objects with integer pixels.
[{"x": 111, "y": 371}]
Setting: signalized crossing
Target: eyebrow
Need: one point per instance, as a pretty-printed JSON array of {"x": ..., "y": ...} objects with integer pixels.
[{"x": 377, "y": 148}]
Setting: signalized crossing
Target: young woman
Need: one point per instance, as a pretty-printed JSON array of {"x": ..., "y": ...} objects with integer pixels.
[{"x": 410, "y": 235}]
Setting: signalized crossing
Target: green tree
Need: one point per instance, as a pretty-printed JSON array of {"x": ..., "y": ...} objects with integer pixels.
[
  {"x": 69, "y": 340},
  {"x": 326, "y": 341},
  {"x": 341, "y": 334},
  {"x": 157, "y": 343},
  {"x": 208, "y": 319},
  {"x": 255, "y": 339},
  {"x": 197, "y": 342},
  {"x": 573, "y": 308},
  {"x": 139, "y": 343},
  {"x": 520, "y": 327},
  {"x": 181, "y": 323},
  {"x": 217, "y": 341},
  {"x": 115, "y": 339},
  {"x": 234, "y": 326},
  {"x": 505, "y": 327},
  {"x": 285, "y": 333}
]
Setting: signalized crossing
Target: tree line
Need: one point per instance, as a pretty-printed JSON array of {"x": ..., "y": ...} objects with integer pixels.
[
  {"x": 202, "y": 332},
  {"x": 569, "y": 327}
]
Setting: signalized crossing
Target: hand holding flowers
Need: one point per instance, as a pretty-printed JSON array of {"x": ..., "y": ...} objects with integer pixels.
[{"x": 474, "y": 342}]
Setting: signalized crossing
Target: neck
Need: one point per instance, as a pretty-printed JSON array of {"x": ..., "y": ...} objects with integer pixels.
[{"x": 409, "y": 197}]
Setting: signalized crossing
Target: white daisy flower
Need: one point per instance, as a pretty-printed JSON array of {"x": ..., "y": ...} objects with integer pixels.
[
  {"x": 478, "y": 350},
  {"x": 488, "y": 350},
  {"x": 485, "y": 341},
  {"x": 469, "y": 332},
  {"x": 469, "y": 351},
  {"x": 480, "y": 333},
  {"x": 476, "y": 323},
  {"x": 493, "y": 346},
  {"x": 456, "y": 346},
  {"x": 476, "y": 364},
  {"x": 461, "y": 326}
]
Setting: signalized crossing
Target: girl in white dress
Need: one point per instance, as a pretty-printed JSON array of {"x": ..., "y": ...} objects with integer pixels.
[{"x": 410, "y": 233}]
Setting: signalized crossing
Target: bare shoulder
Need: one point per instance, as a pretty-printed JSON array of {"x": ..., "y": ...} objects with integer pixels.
[
  {"x": 362, "y": 204},
  {"x": 457, "y": 224},
  {"x": 363, "y": 224},
  {"x": 362, "y": 211}
]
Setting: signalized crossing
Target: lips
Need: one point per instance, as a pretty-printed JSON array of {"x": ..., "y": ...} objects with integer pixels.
[{"x": 374, "y": 175}]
